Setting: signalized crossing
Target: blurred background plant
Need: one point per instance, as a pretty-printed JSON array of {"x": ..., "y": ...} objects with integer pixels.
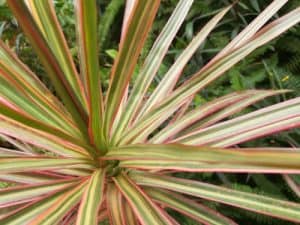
[{"x": 273, "y": 66}]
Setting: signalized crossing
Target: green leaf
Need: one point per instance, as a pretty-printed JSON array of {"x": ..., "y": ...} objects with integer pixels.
[
  {"x": 112, "y": 53},
  {"x": 260, "y": 204},
  {"x": 91, "y": 199},
  {"x": 107, "y": 20}
]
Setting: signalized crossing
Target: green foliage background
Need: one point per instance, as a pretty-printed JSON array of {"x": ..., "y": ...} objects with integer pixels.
[{"x": 276, "y": 66}]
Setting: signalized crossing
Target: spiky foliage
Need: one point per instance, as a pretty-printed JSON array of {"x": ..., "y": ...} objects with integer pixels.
[{"x": 84, "y": 154}]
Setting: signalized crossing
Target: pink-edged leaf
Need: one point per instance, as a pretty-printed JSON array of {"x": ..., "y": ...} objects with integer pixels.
[
  {"x": 250, "y": 30},
  {"x": 151, "y": 65},
  {"x": 189, "y": 207},
  {"x": 28, "y": 212},
  {"x": 60, "y": 207},
  {"x": 21, "y": 146},
  {"x": 16, "y": 99},
  {"x": 23, "y": 164},
  {"x": 86, "y": 12},
  {"x": 216, "y": 109},
  {"x": 77, "y": 172},
  {"x": 206, "y": 75},
  {"x": 137, "y": 29},
  {"x": 44, "y": 15},
  {"x": 129, "y": 7},
  {"x": 27, "y": 193},
  {"x": 114, "y": 202},
  {"x": 253, "y": 202},
  {"x": 129, "y": 217},
  {"x": 228, "y": 111},
  {"x": 182, "y": 110},
  {"x": 167, "y": 84},
  {"x": 10, "y": 210},
  {"x": 69, "y": 219},
  {"x": 32, "y": 123},
  {"x": 24, "y": 81},
  {"x": 174, "y": 222},
  {"x": 102, "y": 216},
  {"x": 199, "y": 159},
  {"x": 28, "y": 178},
  {"x": 50, "y": 62},
  {"x": 292, "y": 184},
  {"x": 144, "y": 208},
  {"x": 272, "y": 119},
  {"x": 91, "y": 199},
  {"x": 40, "y": 139},
  {"x": 6, "y": 152}
]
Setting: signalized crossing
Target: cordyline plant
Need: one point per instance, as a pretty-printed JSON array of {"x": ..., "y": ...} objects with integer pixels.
[{"x": 84, "y": 155}]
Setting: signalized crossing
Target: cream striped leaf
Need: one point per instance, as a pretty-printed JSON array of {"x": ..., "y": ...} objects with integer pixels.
[
  {"x": 199, "y": 159},
  {"x": 86, "y": 14},
  {"x": 151, "y": 65},
  {"x": 211, "y": 113},
  {"x": 265, "y": 121},
  {"x": 44, "y": 15},
  {"x": 145, "y": 210},
  {"x": 23, "y": 164},
  {"x": 141, "y": 19},
  {"x": 114, "y": 202},
  {"x": 190, "y": 208},
  {"x": 92, "y": 199},
  {"x": 209, "y": 73},
  {"x": 167, "y": 84},
  {"x": 56, "y": 212},
  {"x": 50, "y": 62},
  {"x": 260, "y": 204}
]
